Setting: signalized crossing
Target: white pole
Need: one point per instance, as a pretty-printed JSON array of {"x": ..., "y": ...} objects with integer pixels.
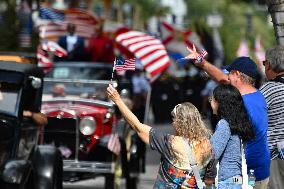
[{"x": 113, "y": 68}]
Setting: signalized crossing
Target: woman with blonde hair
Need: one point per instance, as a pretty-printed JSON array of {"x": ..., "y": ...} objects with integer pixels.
[{"x": 184, "y": 154}]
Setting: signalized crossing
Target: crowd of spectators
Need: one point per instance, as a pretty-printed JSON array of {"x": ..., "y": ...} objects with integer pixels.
[{"x": 264, "y": 103}]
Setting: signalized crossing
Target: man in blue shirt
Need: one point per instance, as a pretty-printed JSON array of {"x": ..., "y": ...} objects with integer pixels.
[{"x": 242, "y": 75}]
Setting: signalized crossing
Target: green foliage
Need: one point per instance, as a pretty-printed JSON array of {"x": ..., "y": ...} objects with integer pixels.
[
  {"x": 8, "y": 30},
  {"x": 234, "y": 26}
]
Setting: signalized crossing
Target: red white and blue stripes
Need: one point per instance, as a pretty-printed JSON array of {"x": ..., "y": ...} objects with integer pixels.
[{"x": 148, "y": 49}]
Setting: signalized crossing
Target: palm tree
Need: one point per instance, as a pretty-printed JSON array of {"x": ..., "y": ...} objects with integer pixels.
[{"x": 276, "y": 8}]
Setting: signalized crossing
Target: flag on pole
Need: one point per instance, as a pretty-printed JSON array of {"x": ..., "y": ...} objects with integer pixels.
[
  {"x": 43, "y": 58},
  {"x": 202, "y": 55},
  {"x": 43, "y": 50},
  {"x": 52, "y": 46},
  {"x": 199, "y": 58},
  {"x": 148, "y": 49},
  {"x": 114, "y": 144},
  {"x": 127, "y": 64},
  {"x": 243, "y": 49},
  {"x": 259, "y": 50}
]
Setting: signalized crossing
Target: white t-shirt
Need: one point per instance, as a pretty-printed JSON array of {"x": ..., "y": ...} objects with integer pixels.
[{"x": 71, "y": 41}]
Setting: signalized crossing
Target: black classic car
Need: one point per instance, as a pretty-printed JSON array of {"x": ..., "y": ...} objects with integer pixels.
[
  {"x": 84, "y": 124},
  {"x": 23, "y": 163}
]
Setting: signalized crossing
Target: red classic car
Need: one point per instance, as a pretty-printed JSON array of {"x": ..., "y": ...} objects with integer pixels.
[{"x": 81, "y": 120}]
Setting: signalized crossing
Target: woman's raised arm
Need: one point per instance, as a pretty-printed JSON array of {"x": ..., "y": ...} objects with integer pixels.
[{"x": 141, "y": 129}]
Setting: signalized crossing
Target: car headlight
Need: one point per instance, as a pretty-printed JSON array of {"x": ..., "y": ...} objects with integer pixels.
[
  {"x": 87, "y": 125},
  {"x": 108, "y": 115}
]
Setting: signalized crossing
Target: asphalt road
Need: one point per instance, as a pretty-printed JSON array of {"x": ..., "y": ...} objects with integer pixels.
[{"x": 146, "y": 180}]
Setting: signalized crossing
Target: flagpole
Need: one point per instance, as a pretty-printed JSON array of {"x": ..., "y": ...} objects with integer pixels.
[{"x": 113, "y": 68}]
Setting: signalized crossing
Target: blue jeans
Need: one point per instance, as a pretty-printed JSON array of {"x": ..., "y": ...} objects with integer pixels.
[{"x": 229, "y": 184}]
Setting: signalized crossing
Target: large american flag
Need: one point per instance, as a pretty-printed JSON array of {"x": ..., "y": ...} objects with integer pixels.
[
  {"x": 148, "y": 49},
  {"x": 53, "y": 23},
  {"x": 46, "y": 47}
]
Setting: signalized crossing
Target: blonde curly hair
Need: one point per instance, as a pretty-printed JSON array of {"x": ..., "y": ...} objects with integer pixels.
[{"x": 188, "y": 124}]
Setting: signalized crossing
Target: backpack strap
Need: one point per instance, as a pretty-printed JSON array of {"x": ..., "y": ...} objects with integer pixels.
[{"x": 200, "y": 183}]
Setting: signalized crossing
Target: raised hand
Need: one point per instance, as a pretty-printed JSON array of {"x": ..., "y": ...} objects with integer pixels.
[
  {"x": 193, "y": 54},
  {"x": 112, "y": 93}
]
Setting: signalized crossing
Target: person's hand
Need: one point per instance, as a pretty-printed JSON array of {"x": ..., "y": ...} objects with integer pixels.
[
  {"x": 112, "y": 93},
  {"x": 27, "y": 113},
  {"x": 193, "y": 54}
]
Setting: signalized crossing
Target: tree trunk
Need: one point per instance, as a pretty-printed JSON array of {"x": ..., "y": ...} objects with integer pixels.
[
  {"x": 136, "y": 18},
  {"x": 276, "y": 10},
  {"x": 119, "y": 13},
  {"x": 107, "y": 8}
]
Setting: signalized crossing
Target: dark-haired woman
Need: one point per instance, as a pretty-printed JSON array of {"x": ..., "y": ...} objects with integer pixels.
[{"x": 233, "y": 127}]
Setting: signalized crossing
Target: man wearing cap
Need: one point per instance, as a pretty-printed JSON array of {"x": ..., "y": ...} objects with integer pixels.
[
  {"x": 273, "y": 92},
  {"x": 242, "y": 75}
]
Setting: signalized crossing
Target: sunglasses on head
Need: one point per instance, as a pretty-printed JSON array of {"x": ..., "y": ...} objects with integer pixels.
[{"x": 174, "y": 112}]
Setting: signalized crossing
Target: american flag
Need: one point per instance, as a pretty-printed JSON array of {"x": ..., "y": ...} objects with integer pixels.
[
  {"x": 127, "y": 64},
  {"x": 148, "y": 49},
  {"x": 53, "y": 23},
  {"x": 243, "y": 49},
  {"x": 114, "y": 144},
  {"x": 259, "y": 50},
  {"x": 43, "y": 58},
  {"x": 52, "y": 46},
  {"x": 202, "y": 55},
  {"x": 43, "y": 53}
]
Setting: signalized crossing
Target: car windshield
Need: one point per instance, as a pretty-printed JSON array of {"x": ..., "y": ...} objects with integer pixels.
[
  {"x": 77, "y": 82},
  {"x": 84, "y": 72},
  {"x": 8, "y": 97}
]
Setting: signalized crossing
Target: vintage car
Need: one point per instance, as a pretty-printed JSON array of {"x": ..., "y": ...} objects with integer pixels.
[
  {"x": 23, "y": 163},
  {"x": 82, "y": 122}
]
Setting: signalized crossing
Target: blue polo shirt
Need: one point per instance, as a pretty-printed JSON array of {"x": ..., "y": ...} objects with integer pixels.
[{"x": 257, "y": 151}]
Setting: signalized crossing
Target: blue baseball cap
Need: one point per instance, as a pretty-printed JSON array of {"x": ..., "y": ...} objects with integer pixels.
[{"x": 245, "y": 65}]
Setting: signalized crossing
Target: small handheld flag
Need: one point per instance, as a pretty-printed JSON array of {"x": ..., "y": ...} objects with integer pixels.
[
  {"x": 119, "y": 65},
  {"x": 199, "y": 58},
  {"x": 128, "y": 64}
]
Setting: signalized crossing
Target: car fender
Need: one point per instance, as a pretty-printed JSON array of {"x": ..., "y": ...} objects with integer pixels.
[{"x": 46, "y": 159}]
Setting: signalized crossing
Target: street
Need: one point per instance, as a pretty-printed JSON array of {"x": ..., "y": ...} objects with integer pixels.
[{"x": 146, "y": 180}]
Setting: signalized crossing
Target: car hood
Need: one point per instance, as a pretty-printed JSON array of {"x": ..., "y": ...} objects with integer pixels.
[{"x": 74, "y": 108}]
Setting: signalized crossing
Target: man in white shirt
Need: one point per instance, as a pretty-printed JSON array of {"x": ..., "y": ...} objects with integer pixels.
[{"x": 74, "y": 45}]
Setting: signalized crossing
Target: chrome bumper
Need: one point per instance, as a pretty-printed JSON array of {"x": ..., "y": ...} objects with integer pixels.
[{"x": 85, "y": 166}]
